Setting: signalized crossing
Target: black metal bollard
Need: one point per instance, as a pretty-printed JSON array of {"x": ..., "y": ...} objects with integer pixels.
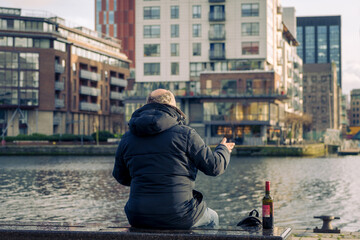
[{"x": 326, "y": 227}]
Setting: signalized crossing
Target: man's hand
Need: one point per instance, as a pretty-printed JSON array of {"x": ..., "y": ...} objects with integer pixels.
[{"x": 229, "y": 145}]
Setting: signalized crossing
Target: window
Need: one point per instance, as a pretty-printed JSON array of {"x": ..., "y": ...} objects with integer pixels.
[
  {"x": 174, "y": 49},
  {"x": 174, "y": 10},
  {"x": 322, "y": 44},
  {"x": 174, "y": 30},
  {"x": 111, "y": 17},
  {"x": 23, "y": 42},
  {"x": 151, "y": 69},
  {"x": 42, "y": 43},
  {"x": 6, "y": 41},
  {"x": 196, "y": 30},
  {"x": 151, "y": 50},
  {"x": 196, "y": 49},
  {"x": 309, "y": 44},
  {"x": 250, "y": 48},
  {"x": 250, "y": 10},
  {"x": 217, "y": 32},
  {"x": 250, "y": 29},
  {"x": 105, "y": 18},
  {"x": 196, "y": 11},
  {"x": 151, "y": 12},
  {"x": 151, "y": 31},
  {"x": 217, "y": 13},
  {"x": 174, "y": 68},
  {"x": 196, "y": 68}
]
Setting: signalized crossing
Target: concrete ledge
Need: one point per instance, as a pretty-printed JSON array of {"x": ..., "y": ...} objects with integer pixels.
[{"x": 94, "y": 232}]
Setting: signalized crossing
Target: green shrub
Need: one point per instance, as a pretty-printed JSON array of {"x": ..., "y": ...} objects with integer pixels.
[{"x": 103, "y": 136}]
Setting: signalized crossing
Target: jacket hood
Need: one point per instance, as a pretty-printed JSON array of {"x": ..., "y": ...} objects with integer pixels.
[{"x": 154, "y": 118}]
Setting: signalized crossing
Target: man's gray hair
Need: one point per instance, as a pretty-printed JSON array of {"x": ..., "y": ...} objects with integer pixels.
[{"x": 164, "y": 98}]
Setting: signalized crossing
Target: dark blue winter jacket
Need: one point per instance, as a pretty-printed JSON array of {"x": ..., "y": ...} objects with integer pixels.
[{"x": 159, "y": 158}]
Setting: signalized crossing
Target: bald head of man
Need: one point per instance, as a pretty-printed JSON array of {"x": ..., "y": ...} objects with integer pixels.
[{"x": 162, "y": 96}]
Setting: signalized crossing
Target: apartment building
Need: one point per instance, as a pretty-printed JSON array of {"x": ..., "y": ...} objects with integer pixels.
[
  {"x": 116, "y": 18},
  {"x": 213, "y": 53},
  {"x": 322, "y": 97},
  {"x": 56, "y": 77},
  {"x": 320, "y": 41},
  {"x": 354, "y": 107}
]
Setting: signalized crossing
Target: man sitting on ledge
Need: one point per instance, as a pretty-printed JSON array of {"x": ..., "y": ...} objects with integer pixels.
[{"x": 159, "y": 158}]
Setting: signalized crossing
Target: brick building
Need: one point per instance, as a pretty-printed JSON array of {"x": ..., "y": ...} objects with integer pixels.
[{"x": 58, "y": 78}]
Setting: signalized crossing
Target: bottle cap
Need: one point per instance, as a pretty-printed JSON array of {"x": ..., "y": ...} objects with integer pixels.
[{"x": 267, "y": 186}]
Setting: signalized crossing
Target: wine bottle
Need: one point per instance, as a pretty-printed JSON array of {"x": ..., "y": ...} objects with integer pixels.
[{"x": 267, "y": 208}]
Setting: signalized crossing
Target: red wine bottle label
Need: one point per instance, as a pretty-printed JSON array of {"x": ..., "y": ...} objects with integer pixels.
[{"x": 266, "y": 211}]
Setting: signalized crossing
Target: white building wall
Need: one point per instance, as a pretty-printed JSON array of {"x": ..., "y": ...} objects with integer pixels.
[{"x": 233, "y": 41}]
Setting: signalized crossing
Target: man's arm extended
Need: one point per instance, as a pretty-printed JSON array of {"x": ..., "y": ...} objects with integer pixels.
[{"x": 209, "y": 162}]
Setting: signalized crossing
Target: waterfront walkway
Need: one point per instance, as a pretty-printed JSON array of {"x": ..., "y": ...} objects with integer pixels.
[{"x": 310, "y": 235}]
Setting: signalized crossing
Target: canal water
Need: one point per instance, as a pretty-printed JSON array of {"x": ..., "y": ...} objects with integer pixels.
[{"x": 82, "y": 190}]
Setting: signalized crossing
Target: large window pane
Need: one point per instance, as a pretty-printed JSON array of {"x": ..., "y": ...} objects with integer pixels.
[
  {"x": 151, "y": 31},
  {"x": 151, "y": 50},
  {"x": 310, "y": 44},
  {"x": 174, "y": 49},
  {"x": 196, "y": 11},
  {"x": 250, "y": 29},
  {"x": 174, "y": 30},
  {"x": 174, "y": 11},
  {"x": 151, "y": 12},
  {"x": 250, "y": 48},
  {"x": 151, "y": 69},
  {"x": 250, "y": 10},
  {"x": 174, "y": 68}
]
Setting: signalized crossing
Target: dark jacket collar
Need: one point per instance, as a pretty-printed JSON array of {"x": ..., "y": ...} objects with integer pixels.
[{"x": 154, "y": 118}]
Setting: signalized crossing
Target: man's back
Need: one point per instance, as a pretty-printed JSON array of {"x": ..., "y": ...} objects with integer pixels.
[{"x": 159, "y": 158}]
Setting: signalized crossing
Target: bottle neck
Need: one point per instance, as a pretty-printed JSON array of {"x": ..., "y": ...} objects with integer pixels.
[{"x": 267, "y": 187}]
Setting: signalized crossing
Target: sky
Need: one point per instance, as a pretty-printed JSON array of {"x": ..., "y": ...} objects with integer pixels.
[{"x": 82, "y": 12}]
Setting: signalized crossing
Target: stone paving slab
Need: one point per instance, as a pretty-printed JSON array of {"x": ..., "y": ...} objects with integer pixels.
[{"x": 310, "y": 235}]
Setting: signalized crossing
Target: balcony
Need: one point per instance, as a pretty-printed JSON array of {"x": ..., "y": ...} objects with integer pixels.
[
  {"x": 59, "y": 103},
  {"x": 217, "y": 35},
  {"x": 56, "y": 120},
  {"x": 59, "y": 68},
  {"x": 217, "y": 55},
  {"x": 216, "y": 1},
  {"x": 118, "y": 82},
  {"x": 89, "y": 91},
  {"x": 59, "y": 86},
  {"x": 90, "y": 75},
  {"x": 216, "y": 16},
  {"x": 92, "y": 107},
  {"x": 117, "y": 96},
  {"x": 117, "y": 109}
]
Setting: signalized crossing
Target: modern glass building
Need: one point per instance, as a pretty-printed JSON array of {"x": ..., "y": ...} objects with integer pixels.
[{"x": 320, "y": 40}]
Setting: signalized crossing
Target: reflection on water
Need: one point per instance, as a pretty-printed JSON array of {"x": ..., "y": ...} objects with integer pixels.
[{"x": 82, "y": 190}]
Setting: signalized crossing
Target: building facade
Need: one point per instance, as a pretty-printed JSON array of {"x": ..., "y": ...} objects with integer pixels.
[
  {"x": 235, "y": 59},
  {"x": 322, "y": 97},
  {"x": 56, "y": 78},
  {"x": 116, "y": 18},
  {"x": 320, "y": 41},
  {"x": 354, "y": 115}
]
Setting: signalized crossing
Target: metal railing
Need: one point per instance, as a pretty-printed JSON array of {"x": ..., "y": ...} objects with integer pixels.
[
  {"x": 217, "y": 35},
  {"x": 93, "y": 107},
  {"x": 59, "y": 103},
  {"x": 117, "y": 95},
  {"x": 59, "y": 68},
  {"x": 89, "y": 91},
  {"x": 117, "y": 109},
  {"x": 118, "y": 82},
  {"x": 90, "y": 75},
  {"x": 59, "y": 86}
]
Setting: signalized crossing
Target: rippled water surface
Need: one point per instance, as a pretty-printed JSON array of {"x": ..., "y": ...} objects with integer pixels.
[{"x": 82, "y": 190}]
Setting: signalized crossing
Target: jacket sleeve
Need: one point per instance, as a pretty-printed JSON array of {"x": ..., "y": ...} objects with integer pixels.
[
  {"x": 211, "y": 163},
  {"x": 121, "y": 172}
]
